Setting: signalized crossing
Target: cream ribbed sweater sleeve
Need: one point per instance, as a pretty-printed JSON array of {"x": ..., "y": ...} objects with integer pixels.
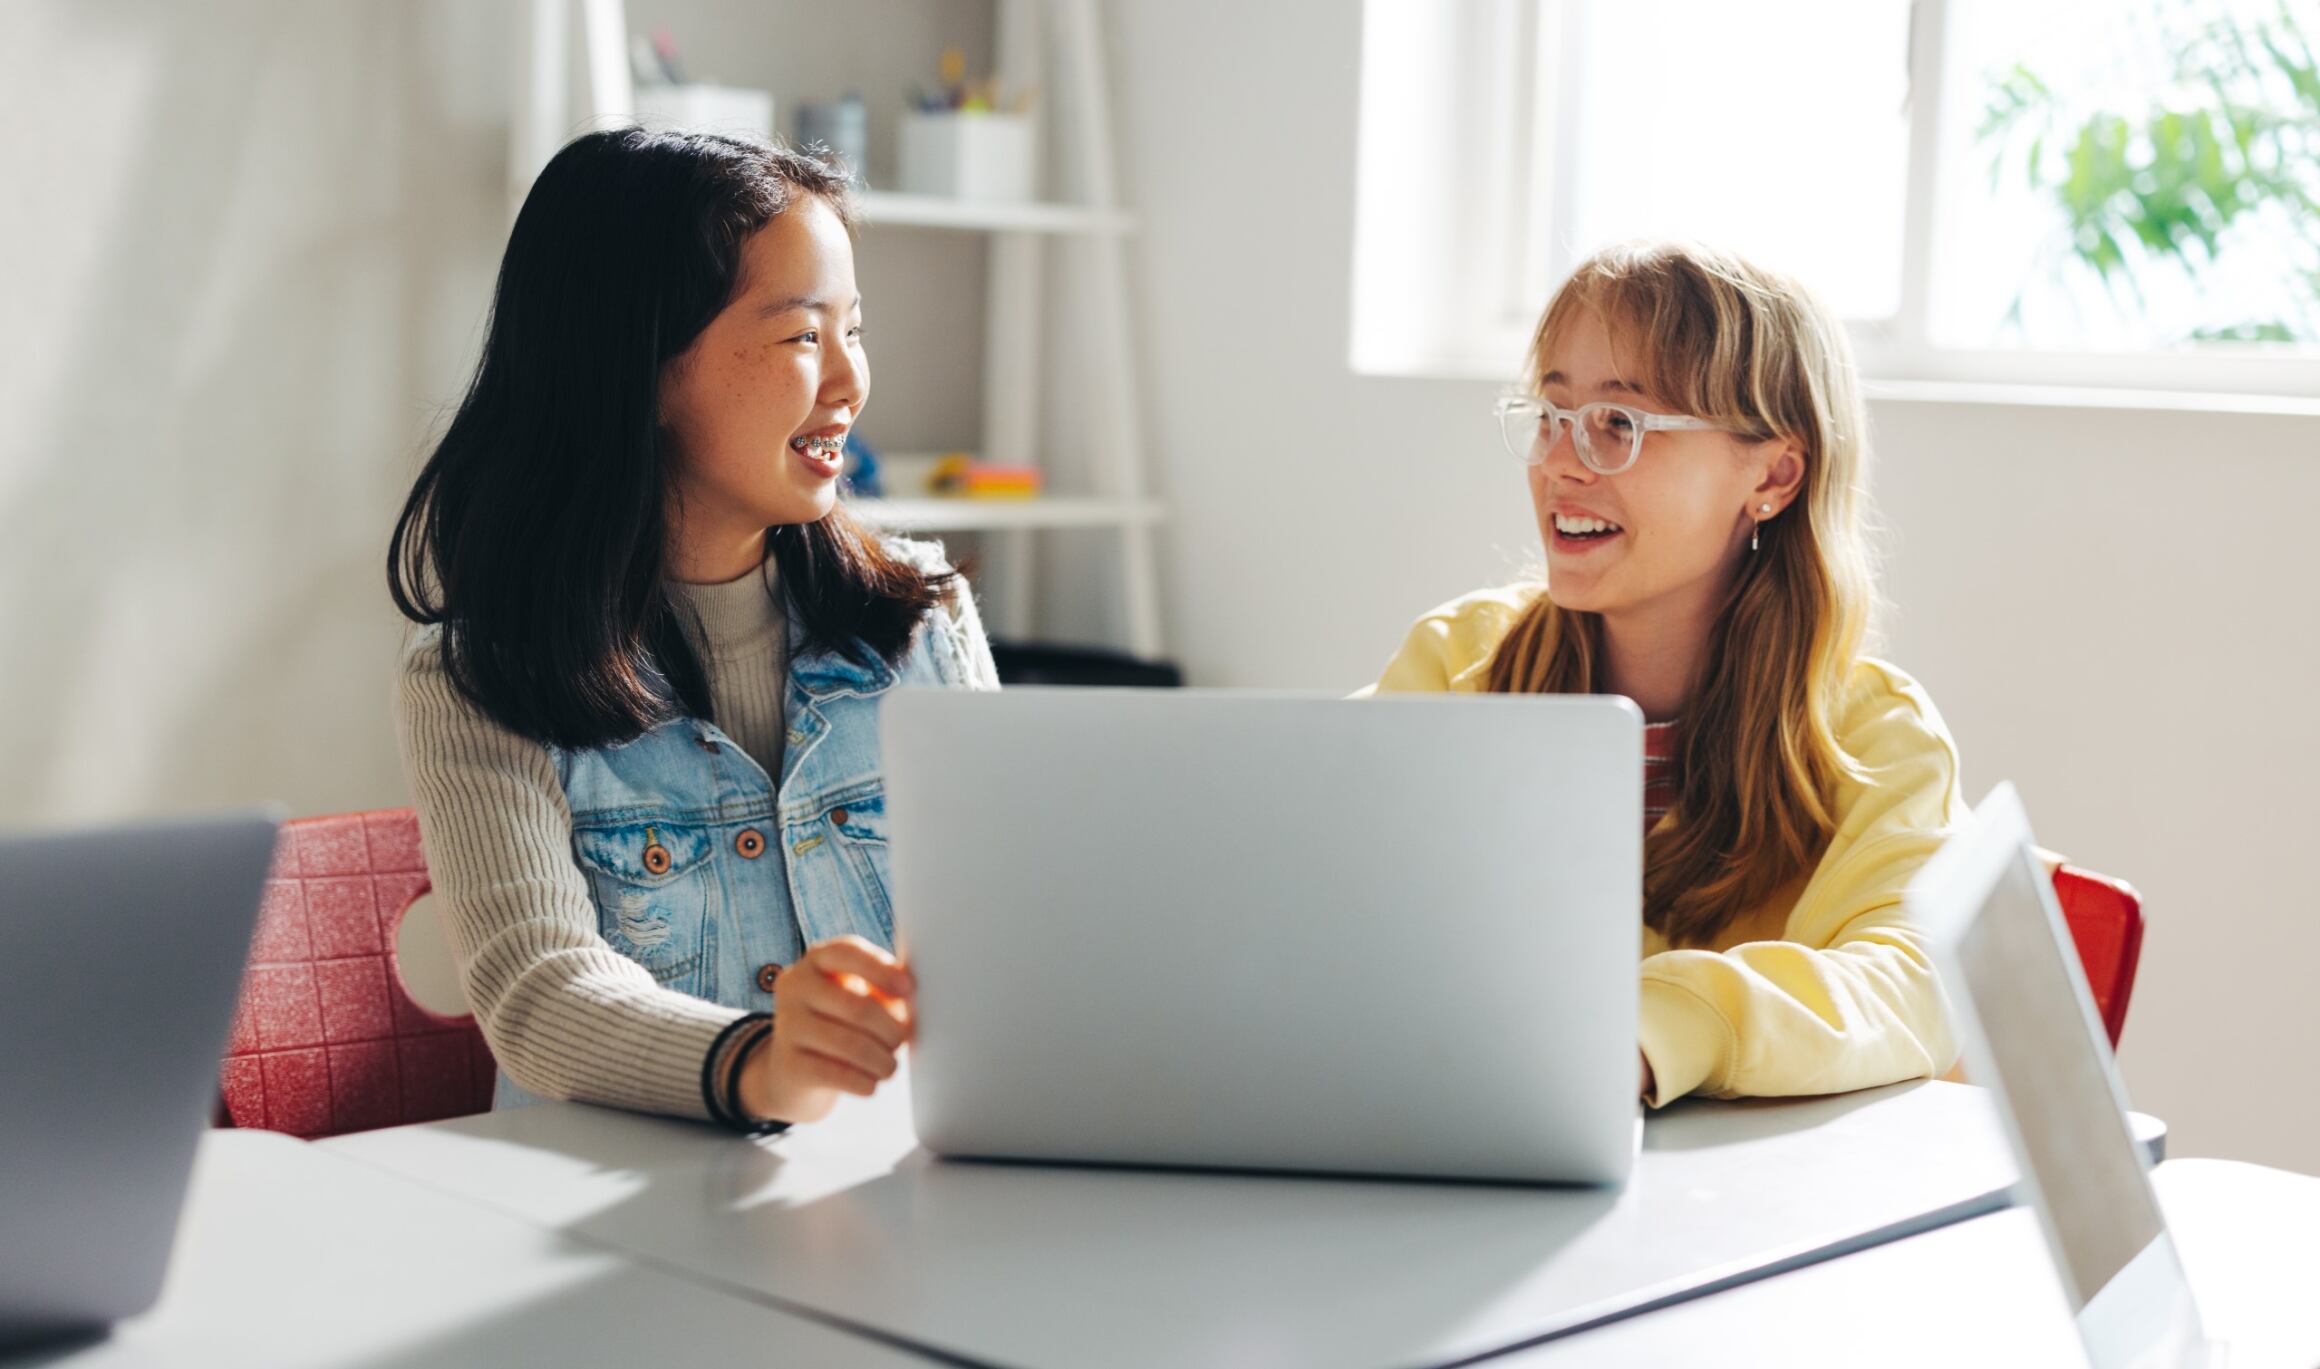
[{"x": 567, "y": 1016}]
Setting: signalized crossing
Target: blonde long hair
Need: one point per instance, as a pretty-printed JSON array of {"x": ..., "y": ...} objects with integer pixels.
[{"x": 1759, "y": 762}]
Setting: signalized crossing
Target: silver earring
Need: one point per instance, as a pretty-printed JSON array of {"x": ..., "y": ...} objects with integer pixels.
[{"x": 1756, "y": 533}]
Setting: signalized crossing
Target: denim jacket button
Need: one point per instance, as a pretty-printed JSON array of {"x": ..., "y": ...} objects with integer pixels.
[
  {"x": 766, "y": 974},
  {"x": 839, "y": 816},
  {"x": 751, "y": 843}
]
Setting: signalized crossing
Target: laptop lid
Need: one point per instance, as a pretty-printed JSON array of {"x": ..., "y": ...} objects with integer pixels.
[
  {"x": 2032, "y": 1034},
  {"x": 121, "y": 954},
  {"x": 1184, "y": 927}
]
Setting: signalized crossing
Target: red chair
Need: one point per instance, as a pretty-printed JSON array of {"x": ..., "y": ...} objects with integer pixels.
[
  {"x": 326, "y": 1038},
  {"x": 2106, "y": 922}
]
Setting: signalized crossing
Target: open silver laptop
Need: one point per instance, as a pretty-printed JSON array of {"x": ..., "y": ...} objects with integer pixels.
[
  {"x": 2033, "y": 1036},
  {"x": 1173, "y": 927},
  {"x": 121, "y": 953}
]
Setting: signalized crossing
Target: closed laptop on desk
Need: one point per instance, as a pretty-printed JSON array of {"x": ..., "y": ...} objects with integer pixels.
[{"x": 1186, "y": 928}]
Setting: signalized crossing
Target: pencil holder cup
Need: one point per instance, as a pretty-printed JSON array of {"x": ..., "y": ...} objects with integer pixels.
[
  {"x": 841, "y": 126},
  {"x": 967, "y": 155}
]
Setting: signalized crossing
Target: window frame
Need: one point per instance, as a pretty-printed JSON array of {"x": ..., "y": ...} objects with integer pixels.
[{"x": 1519, "y": 177}]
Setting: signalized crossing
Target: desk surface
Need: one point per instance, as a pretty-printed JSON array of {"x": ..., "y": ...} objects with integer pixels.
[
  {"x": 288, "y": 1255},
  {"x": 1057, "y": 1266},
  {"x": 2249, "y": 1238}
]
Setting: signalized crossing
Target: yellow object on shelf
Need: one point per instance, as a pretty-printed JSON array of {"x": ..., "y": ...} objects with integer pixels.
[{"x": 959, "y": 476}]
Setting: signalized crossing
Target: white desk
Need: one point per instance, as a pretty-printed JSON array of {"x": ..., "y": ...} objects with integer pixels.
[
  {"x": 290, "y": 1256},
  {"x": 1042, "y": 1266},
  {"x": 1984, "y": 1292}
]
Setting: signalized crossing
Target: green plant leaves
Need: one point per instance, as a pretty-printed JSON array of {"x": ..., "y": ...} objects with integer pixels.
[{"x": 2231, "y": 145}]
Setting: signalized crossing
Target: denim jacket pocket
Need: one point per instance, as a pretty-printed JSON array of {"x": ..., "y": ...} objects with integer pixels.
[
  {"x": 652, "y": 880},
  {"x": 857, "y": 825}
]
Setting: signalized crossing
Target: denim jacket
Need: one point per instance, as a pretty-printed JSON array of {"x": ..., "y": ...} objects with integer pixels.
[{"x": 712, "y": 875}]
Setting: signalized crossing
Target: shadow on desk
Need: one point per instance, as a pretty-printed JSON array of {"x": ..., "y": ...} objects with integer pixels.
[
  {"x": 934, "y": 1241},
  {"x": 1700, "y": 1122},
  {"x": 1740, "y": 1121},
  {"x": 47, "y": 1350}
]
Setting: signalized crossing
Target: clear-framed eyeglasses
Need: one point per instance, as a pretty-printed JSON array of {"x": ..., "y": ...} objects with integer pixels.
[{"x": 1608, "y": 437}]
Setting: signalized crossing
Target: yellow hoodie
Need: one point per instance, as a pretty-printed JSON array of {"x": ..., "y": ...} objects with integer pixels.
[{"x": 1825, "y": 988}]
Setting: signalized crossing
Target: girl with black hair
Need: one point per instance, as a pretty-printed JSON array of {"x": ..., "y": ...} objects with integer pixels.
[{"x": 640, "y": 714}]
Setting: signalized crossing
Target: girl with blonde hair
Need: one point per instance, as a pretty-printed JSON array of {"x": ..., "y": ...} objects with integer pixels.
[{"x": 1698, "y": 458}]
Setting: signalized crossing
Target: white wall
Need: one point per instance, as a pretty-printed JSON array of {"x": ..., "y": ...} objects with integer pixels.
[
  {"x": 2115, "y": 611},
  {"x": 2113, "y": 608},
  {"x": 248, "y": 247}
]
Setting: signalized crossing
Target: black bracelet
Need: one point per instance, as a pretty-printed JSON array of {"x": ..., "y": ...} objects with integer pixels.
[{"x": 721, "y": 1088}]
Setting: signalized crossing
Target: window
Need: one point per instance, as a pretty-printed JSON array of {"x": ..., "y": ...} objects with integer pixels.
[{"x": 2074, "y": 192}]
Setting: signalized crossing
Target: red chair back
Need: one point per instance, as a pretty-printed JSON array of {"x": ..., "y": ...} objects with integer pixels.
[
  {"x": 326, "y": 1039},
  {"x": 2106, "y": 922}
]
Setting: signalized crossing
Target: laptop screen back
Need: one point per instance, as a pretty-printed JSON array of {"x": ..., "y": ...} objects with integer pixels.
[
  {"x": 2051, "y": 1061},
  {"x": 121, "y": 954},
  {"x": 2011, "y": 969}
]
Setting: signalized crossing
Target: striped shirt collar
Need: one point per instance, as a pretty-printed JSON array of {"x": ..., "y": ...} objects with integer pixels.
[{"x": 1659, "y": 770}]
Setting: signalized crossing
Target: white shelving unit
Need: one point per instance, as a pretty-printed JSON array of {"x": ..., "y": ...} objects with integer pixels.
[
  {"x": 933, "y": 211},
  {"x": 1050, "y": 45},
  {"x": 1053, "y": 46},
  {"x": 1007, "y": 515}
]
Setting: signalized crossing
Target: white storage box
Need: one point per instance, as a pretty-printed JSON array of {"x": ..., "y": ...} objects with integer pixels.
[
  {"x": 968, "y": 156},
  {"x": 705, "y": 109}
]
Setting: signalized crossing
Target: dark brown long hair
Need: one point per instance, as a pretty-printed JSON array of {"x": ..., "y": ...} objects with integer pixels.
[
  {"x": 1758, "y": 760},
  {"x": 536, "y": 535}
]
